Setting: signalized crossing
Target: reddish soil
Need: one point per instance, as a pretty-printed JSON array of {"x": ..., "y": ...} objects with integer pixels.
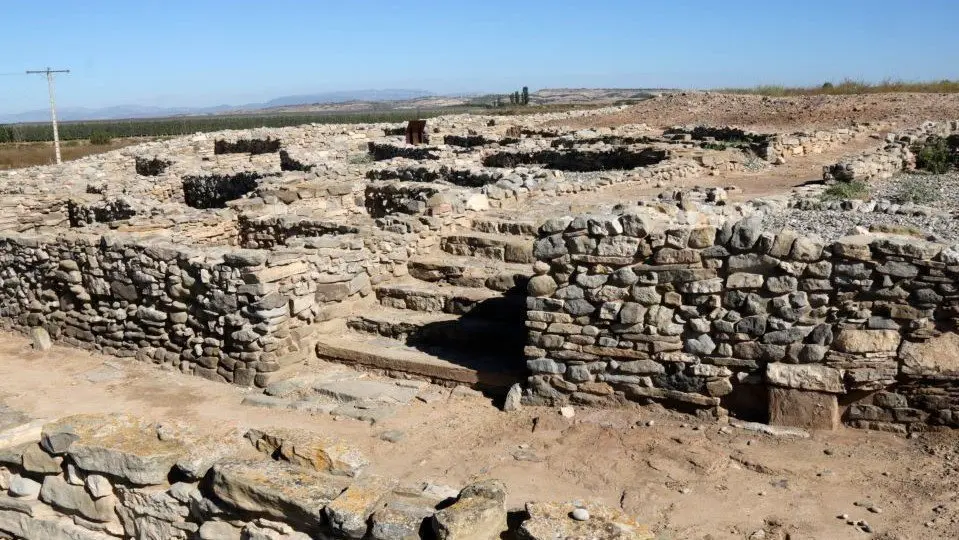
[{"x": 767, "y": 114}]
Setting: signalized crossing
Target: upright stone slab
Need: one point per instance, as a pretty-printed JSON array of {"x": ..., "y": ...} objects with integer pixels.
[{"x": 806, "y": 409}]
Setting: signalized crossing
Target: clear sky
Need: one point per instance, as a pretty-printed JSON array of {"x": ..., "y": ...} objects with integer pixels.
[{"x": 209, "y": 52}]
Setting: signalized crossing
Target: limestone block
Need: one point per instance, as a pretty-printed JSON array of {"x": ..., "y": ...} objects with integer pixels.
[
  {"x": 804, "y": 409},
  {"x": 59, "y": 493},
  {"x": 401, "y": 519},
  {"x": 938, "y": 356},
  {"x": 276, "y": 489},
  {"x": 349, "y": 513},
  {"x": 805, "y": 377},
  {"x": 866, "y": 341},
  {"x": 478, "y": 514}
]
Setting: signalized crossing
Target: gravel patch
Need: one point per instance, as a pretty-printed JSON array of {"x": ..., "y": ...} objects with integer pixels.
[
  {"x": 831, "y": 225},
  {"x": 938, "y": 191}
]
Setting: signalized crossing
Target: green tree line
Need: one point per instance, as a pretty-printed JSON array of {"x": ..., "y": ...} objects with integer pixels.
[{"x": 162, "y": 127}]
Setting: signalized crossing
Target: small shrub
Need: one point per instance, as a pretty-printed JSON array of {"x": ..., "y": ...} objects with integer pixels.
[
  {"x": 826, "y": 85},
  {"x": 934, "y": 155},
  {"x": 360, "y": 159},
  {"x": 916, "y": 191},
  {"x": 100, "y": 138},
  {"x": 846, "y": 190}
]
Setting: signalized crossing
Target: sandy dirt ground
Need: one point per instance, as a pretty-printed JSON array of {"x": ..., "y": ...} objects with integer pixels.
[
  {"x": 767, "y": 114},
  {"x": 688, "y": 479}
]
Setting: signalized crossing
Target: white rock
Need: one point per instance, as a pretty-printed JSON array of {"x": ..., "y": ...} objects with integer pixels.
[
  {"x": 513, "y": 397},
  {"x": 41, "y": 339},
  {"x": 567, "y": 412},
  {"x": 580, "y": 514},
  {"x": 24, "y": 487},
  {"x": 99, "y": 486}
]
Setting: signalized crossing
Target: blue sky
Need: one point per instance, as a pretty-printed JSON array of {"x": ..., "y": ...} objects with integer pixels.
[{"x": 208, "y": 52}]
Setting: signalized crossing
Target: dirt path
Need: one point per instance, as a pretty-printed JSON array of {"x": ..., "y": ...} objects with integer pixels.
[{"x": 688, "y": 479}]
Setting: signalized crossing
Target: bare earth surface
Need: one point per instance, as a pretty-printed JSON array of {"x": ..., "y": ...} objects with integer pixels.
[
  {"x": 686, "y": 478},
  {"x": 760, "y": 113}
]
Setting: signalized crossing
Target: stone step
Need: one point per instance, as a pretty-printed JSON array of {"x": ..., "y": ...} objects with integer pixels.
[
  {"x": 498, "y": 247},
  {"x": 505, "y": 225},
  {"x": 470, "y": 333},
  {"x": 493, "y": 373},
  {"x": 470, "y": 272},
  {"x": 421, "y": 296}
]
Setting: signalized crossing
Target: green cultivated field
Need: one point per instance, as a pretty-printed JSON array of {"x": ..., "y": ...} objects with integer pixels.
[{"x": 185, "y": 125}]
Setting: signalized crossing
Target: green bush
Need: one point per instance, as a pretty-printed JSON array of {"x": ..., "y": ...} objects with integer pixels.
[
  {"x": 934, "y": 155},
  {"x": 826, "y": 85},
  {"x": 100, "y": 138},
  {"x": 846, "y": 190}
]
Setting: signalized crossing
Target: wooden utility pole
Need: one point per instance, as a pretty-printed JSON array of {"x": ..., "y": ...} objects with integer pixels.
[{"x": 53, "y": 104}]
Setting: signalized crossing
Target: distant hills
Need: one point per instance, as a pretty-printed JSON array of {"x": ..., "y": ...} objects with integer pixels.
[
  {"x": 138, "y": 111},
  {"x": 342, "y": 102}
]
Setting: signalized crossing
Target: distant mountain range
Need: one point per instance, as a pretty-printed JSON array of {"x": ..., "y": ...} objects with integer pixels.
[{"x": 137, "y": 111}]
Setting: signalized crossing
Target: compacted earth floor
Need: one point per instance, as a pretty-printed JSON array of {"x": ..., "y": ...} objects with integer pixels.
[{"x": 686, "y": 478}]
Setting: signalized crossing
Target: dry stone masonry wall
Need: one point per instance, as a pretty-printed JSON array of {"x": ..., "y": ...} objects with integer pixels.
[
  {"x": 771, "y": 324},
  {"x": 231, "y": 315},
  {"x": 99, "y": 477}
]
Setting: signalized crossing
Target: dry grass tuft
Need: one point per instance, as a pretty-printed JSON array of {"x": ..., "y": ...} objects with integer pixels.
[{"x": 849, "y": 87}]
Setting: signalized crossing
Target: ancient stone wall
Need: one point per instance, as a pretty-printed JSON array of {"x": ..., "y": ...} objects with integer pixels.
[
  {"x": 714, "y": 316},
  {"x": 100, "y": 477},
  {"x": 221, "y": 313},
  {"x": 894, "y": 156}
]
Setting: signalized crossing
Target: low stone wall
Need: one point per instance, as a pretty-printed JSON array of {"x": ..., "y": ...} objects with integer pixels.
[
  {"x": 221, "y": 313},
  {"x": 82, "y": 212},
  {"x": 771, "y": 325},
  {"x": 619, "y": 158},
  {"x": 383, "y": 151},
  {"x": 247, "y": 146},
  {"x": 216, "y": 190},
  {"x": 269, "y": 231},
  {"x": 893, "y": 157},
  {"x": 100, "y": 477}
]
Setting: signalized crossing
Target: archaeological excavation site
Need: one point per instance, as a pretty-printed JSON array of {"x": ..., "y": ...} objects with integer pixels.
[{"x": 584, "y": 324}]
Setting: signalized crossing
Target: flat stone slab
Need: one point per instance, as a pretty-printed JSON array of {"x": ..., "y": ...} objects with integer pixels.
[
  {"x": 549, "y": 521},
  {"x": 280, "y": 490},
  {"x": 366, "y": 390},
  {"x": 120, "y": 446},
  {"x": 364, "y": 412},
  {"x": 309, "y": 449},
  {"x": 775, "y": 431},
  {"x": 265, "y": 401}
]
